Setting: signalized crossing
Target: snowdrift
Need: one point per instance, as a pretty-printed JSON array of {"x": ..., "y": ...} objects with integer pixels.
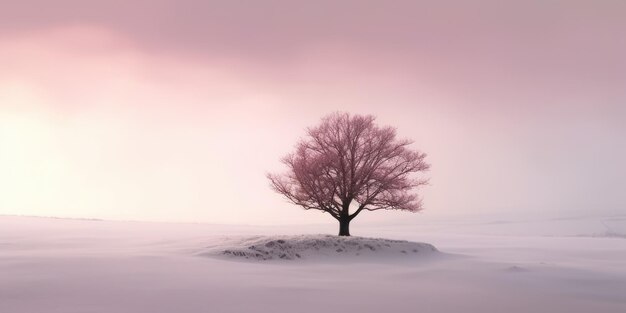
[{"x": 309, "y": 247}]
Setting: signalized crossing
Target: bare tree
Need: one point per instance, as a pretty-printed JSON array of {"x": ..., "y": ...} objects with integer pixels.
[{"x": 348, "y": 163}]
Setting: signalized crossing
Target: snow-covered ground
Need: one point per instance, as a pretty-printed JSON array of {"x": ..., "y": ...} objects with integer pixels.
[
  {"x": 64, "y": 266},
  {"x": 319, "y": 248}
]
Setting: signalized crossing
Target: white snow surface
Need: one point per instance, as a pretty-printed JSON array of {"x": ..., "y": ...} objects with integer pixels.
[
  {"x": 82, "y": 266},
  {"x": 317, "y": 247}
]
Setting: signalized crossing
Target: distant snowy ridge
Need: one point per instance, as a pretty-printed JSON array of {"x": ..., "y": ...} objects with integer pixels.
[{"x": 302, "y": 247}]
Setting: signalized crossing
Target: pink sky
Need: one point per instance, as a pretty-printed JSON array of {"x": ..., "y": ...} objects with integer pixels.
[{"x": 174, "y": 110}]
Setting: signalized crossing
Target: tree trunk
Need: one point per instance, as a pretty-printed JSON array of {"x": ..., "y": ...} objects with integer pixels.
[{"x": 344, "y": 226}]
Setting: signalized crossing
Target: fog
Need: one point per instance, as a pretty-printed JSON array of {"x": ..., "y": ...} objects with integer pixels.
[{"x": 118, "y": 112}]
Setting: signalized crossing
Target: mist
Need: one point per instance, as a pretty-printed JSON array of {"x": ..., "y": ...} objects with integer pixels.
[{"x": 128, "y": 114}]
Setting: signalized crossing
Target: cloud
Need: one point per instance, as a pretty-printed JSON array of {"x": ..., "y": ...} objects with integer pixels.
[{"x": 174, "y": 112}]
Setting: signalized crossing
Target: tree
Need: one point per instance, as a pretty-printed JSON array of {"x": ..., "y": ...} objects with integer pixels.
[{"x": 348, "y": 163}]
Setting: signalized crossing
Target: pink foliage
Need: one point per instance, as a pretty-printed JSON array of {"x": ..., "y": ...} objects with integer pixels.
[{"x": 349, "y": 160}]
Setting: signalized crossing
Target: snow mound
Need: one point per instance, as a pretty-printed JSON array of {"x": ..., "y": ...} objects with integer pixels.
[
  {"x": 303, "y": 247},
  {"x": 516, "y": 269}
]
